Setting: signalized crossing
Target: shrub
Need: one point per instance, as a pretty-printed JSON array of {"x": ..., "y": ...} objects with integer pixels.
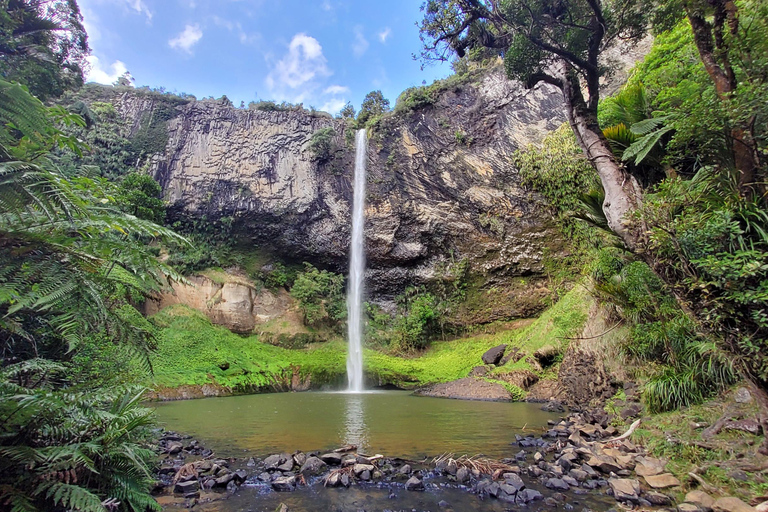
[
  {"x": 321, "y": 296},
  {"x": 322, "y": 145}
]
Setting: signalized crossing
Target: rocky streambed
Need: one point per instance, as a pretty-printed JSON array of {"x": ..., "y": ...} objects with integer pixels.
[{"x": 576, "y": 463}]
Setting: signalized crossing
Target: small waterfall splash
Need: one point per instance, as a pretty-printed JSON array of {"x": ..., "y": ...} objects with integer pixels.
[{"x": 357, "y": 270}]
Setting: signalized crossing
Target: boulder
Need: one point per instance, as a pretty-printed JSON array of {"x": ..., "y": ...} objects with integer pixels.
[
  {"x": 514, "y": 480},
  {"x": 742, "y": 396},
  {"x": 462, "y": 475},
  {"x": 662, "y": 481},
  {"x": 731, "y": 505},
  {"x": 414, "y": 484},
  {"x": 359, "y": 468},
  {"x": 648, "y": 466},
  {"x": 701, "y": 499},
  {"x": 286, "y": 463},
  {"x": 185, "y": 488},
  {"x": 625, "y": 489},
  {"x": 299, "y": 458},
  {"x": 313, "y": 466},
  {"x": 332, "y": 459},
  {"x": 657, "y": 498},
  {"x": 494, "y": 355},
  {"x": 553, "y": 406},
  {"x": 405, "y": 469},
  {"x": 604, "y": 464},
  {"x": 272, "y": 462},
  {"x": 557, "y": 484},
  {"x": 284, "y": 483}
]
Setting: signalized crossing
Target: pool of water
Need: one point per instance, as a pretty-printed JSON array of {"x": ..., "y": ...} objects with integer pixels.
[{"x": 393, "y": 423}]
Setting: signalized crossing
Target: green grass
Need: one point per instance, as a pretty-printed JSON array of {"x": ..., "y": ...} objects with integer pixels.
[
  {"x": 192, "y": 351},
  {"x": 565, "y": 319}
]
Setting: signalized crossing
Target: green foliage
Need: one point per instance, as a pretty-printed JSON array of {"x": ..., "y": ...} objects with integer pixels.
[
  {"x": 374, "y": 104},
  {"x": 347, "y": 111},
  {"x": 321, "y": 296},
  {"x": 43, "y": 45},
  {"x": 271, "y": 106},
  {"x": 139, "y": 195},
  {"x": 558, "y": 171},
  {"x": 152, "y": 135},
  {"x": 322, "y": 144},
  {"x": 71, "y": 450}
]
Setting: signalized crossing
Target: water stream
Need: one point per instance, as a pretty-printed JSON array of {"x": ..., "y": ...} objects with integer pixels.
[{"x": 357, "y": 270}]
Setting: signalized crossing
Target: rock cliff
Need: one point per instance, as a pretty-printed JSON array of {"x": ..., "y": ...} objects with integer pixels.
[{"x": 441, "y": 183}]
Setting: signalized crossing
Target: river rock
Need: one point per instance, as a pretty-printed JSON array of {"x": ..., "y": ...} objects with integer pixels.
[
  {"x": 462, "y": 475},
  {"x": 688, "y": 507},
  {"x": 272, "y": 462},
  {"x": 553, "y": 406},
  {"x": 299, "y": 458},
  {"x": 286, "y": 463},
  {"x": 414, "y": 484},
  {"x": 570, "y": 481},
  {"x": 284, "y": 483},
  {"x": 730, "y": 504},
  {"x": 332, "y": 459},
  {"x": 662, "y": 481},
  {"x": 579, "y": 475},
  {"x": 365, "y": 475},
  {"x": 359, "y": 468},
  {"x": 494, "y": 355},
  {"x": 405, "y": 469},
  {"x": 529, "y": 495},
  {"x": 514, "y": 480},
  {"x": 701, "y": 499},
  {"x": 313, "y": 466},
  {"x": 174, "y": 448},
  {"x": 557, "y": 484},
  {"x": 185, "y": 488},
  {"x": 625, "y": 489},
  {"x": 605, "y": 464}
]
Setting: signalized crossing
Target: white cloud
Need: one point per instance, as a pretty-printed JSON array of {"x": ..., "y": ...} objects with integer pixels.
[
  {"x": 333, "y": 106},
  {"x": 140, "y": 7},
  {"x": 326, "y": 6},
  {"x": 384, "y": 34},
  {"x": 243, "y": 36},
  {"x": 298, "y": 68},
  {"x": 187, "y": 39},
  {"x": 360, "y": 46},
  {"x": 97, "y": 73},
  {"x": 336, "y": 89}
]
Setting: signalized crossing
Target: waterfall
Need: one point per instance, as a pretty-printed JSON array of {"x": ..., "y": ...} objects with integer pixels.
[{"x": 357, "y": 271}]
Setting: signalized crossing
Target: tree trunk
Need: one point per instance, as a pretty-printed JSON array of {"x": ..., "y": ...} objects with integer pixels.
[
  {"x": 622, "y": 192},
  {"x": 714, "y": 49}
]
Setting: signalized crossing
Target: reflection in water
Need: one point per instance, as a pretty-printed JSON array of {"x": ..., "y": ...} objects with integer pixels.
[{"x": 355, "y": 429}]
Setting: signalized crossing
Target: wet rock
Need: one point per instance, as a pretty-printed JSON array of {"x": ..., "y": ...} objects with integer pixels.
[
  {"x": 405, "y": 469},
  {"x": 414, "y": 484},
  {"x": 604, "y": 464},
  {"x": 335, "y": 480},
  {"x": 551, "y": 502},
  {"x": 265, "y": 477},
  {"x": 531, "y": 495},
  {"x": 688, "y": 507},
  {"x": 553, "y": 406},
  {"x": 731, "y": 505},
  {"x": 185, "y": 488},
  {"x": 443, "y": 504},
  {"x": 359, "y": 468},
  {"x": 284, "y": 483},
  {"x": 250, "y": 462},
  {"x": 514, "y": 480},
  {"x": 462, "y": 475},
  {"x": 570, "y": 481},
  {"x": 272, "y": 462},
  {"x": 662, "y": 481},
  {"x": 299, "y": 458},
  {"x": 557, "y": 484},
  {"x": 332, "y": 459},
  {"x": 223, "y": 480},
  {"x": 701, "y": 499},
  {"x": 313, "y": 466},
  {"x": 521, "y": 455},
  {"x": 494, "y": 355},
  {"x": 625, "y": 489},
  {"x": 286, "y": 463},
  {"x": 365, "y": 476},
  {"x": 579, "y": 475}
]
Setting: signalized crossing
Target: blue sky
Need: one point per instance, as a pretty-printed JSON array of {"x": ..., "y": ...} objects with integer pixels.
[{"x": 322, "y": 53}]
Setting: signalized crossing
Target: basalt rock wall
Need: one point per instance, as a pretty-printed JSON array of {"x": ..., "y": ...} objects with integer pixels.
[{"x": 441, "y": 181}]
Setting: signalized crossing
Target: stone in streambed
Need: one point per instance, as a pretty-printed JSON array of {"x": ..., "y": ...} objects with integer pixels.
[
  {"x": 557, "y": 484},
  {"x": 414, "y": 484},
  {"x": 313, "y": 466},
  {"x": 284, "y": 483},
  {"x": 359, "y": 468},
  {"x": 188, "y": 487},
  {"x": 657, "y": 498},
  {"x": 332, "y": 459},
  {"x": 272, "y": 461}
]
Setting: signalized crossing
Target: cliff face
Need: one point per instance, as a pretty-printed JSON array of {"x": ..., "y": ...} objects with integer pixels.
[{"x": 441, "y": 183}]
